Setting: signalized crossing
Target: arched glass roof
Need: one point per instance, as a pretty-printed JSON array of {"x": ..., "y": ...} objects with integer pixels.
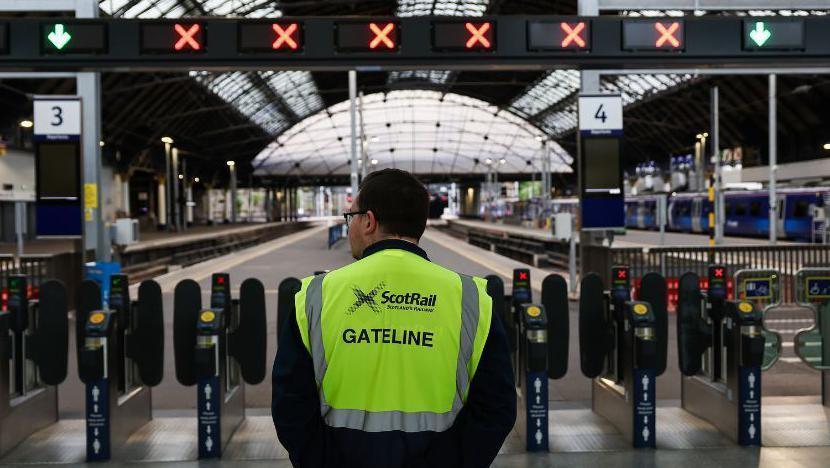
[{"x": 426, "y": 132}]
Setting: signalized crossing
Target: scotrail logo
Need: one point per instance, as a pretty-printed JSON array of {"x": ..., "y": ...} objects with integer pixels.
[{"x": 367, "y": 299}]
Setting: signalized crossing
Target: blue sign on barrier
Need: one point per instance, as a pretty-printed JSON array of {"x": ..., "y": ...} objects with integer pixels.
[
  {"x": 210, "y": 440},
  {"x": 336, "y": 232},
  {"x": 536, "y": 408},
  {"x": 749, "y": 406},
  {"x": 97, "y": 421},
  {"x": 101, "y": 272},
  {"x": 645, "y": 431}
]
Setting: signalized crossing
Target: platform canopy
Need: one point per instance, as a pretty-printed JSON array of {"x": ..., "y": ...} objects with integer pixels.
[{"x": 423, "y": 131}]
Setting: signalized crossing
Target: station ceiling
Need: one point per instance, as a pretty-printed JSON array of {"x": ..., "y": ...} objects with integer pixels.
[{"x": 215, "y": 117}]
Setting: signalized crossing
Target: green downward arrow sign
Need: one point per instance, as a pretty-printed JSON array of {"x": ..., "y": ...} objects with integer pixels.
[
  {"x": 59, "y": 37},
  {"x": 760, "y": 35}
]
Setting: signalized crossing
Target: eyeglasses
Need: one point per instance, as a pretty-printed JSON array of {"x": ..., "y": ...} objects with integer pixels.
[{"x": 348, "y": 216}]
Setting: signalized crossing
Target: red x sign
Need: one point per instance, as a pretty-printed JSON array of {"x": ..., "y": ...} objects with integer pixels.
[
  {"x": 478, "y": 35},
  {"x": 667, "y": 34},
  {"x": 622, "y": 274},
  {"x": 285, "y": 37},
  {"x": 573, "y": 34},
  {"x": 522, "y": 275},
  {"x": 718, "y": 272},
  {"x": 187, "y": 37},
  {"x": 382, "y": 36}
]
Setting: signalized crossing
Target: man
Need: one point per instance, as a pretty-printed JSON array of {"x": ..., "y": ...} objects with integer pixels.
[{"x": 392, "y": 361}]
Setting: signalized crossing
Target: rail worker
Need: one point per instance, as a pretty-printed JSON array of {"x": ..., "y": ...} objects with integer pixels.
[{"x": 392, "y": 361}]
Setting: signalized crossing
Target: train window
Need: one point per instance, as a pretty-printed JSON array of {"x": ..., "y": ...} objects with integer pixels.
[
  {"x": 740, "y": 209},
  {"x": 755, "y": 209},
  {"x": 685, "y": 209},
  {"x": 801, "y": 209},
  {"x": 728, "y": 209}
]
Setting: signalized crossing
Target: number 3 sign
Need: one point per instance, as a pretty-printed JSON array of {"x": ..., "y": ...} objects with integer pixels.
[
  {"x": 600, "y": 114},
  {"x": 57, "y": 116}
]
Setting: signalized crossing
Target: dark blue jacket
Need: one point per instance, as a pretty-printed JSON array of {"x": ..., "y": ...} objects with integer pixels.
[{"x": 474, "y": 439}]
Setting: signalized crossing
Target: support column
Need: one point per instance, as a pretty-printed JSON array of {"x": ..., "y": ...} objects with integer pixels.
[
  {"x": 175, "y": 207},
  {"x": 718, "y": 206},
  {"x": 773, "y": 160},
  {"x": 161, "y": 202},
  {"x": 125, "y": 194},
  {"x": 89, "y": 89},
  {"x": 353, "y": 121},
  {"x": 232, "y": 166},
  {"x": 168, "y": 220}
]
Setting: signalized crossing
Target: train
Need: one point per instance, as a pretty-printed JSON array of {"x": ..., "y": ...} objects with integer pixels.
[{"x": 800, "y": 210}]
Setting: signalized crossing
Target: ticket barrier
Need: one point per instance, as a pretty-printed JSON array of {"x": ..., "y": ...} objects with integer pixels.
[
  {"x": 721, "y": 350},
  {"x": 219, "y": 349},
  {"x": 812, "y": 290},
  {"x": 33, "y": 359},
  {"x": 120, "y": 358},
  {"x": 539, "y": 337},
  {"x": 622, "y": 346}
]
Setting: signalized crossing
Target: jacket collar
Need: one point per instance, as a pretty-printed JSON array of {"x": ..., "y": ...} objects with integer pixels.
[{"x": 396, "y": 244}]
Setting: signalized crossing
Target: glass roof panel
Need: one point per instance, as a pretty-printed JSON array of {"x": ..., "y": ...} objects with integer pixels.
[{"x": 424, "y": 131}]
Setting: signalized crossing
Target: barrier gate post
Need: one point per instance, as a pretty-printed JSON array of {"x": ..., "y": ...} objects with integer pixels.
[{"x": 535, "y": 391}]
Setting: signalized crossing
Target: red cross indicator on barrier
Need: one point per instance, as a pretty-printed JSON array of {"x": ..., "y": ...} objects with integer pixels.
[
  {"x": 381, "y": 37},
  {"x": 573, "y": 35},
  {"x": 622, "y": 274},
  {"x": 522, "y": 275},
  {"x": 479, "y": 37},
  {"x": 286, "y": 36},
  {"x": 668, "y": 35},
  {"x": 187, "y": 37},
  {"x": 718, "y": 272}
]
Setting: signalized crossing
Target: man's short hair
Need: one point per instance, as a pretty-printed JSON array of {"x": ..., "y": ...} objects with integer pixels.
[{"x": 399, "y": 201}]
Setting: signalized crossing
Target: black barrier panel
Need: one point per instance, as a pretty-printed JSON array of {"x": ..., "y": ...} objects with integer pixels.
[
  {"x": 593, "y": 326},
  {"x": 248, "y": 341},
  {"x": 691, "y": 341},
  {"x": 88, "y": 299},
  {"x": 50, "y": 341},
  {"x": 288, "y": 288},
  {"x": 187, "y": 302},
  {"x": 555, "y": 300},
  {"x": 653, "y": 290},
  {"x": 147, "y": 340},
  {"x": 495, "y": 289}
]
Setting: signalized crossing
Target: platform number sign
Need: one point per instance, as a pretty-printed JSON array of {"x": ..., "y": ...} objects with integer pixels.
[
  {"x": 57, "y": 117},
  {"x": 600, "y": 114}
]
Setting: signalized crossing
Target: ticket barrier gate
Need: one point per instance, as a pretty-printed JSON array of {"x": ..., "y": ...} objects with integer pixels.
[
  {"x": 622, "y": 346},
  {"x": 538, "y": 335},
  {"x": 721, "y": 350},
  {"x": 812, "y": 290},
  {"x": 219, "y": 349},
  {"x": 33, "y": 359},
  {"x": 120, "y": 358}
]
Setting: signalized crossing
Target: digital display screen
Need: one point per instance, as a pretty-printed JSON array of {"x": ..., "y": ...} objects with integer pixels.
[
  {"x": 758, "y": 288},
  {"x": 58, "y": 175},
  {"x": 773, "y": 34},
  {"x": 653, "y": 34},
  {"x": 818, "y": 287},
  {"x": 378, "y": 36},
  {"x": 559, "y": 35},
  {"x": 602, "y": 164},
  {"x": 73, "y": 38},
  {"x": 173, "y": 38},
  {"x": 272, "y": 36},
  {"x": 464, "y": 36}
]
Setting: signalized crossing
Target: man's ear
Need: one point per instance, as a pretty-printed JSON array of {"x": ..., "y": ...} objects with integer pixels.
[{"x": 371, "y": 225}]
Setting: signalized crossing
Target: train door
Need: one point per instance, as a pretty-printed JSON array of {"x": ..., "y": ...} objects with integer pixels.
[
  {"x": 782, "y": 216},
  {"x": 697, "y": 212},
  {"x": 641, "y": 214}
]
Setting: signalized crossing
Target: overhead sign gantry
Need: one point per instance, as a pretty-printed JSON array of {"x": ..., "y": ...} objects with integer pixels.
[{"x": 519, "y": 41}]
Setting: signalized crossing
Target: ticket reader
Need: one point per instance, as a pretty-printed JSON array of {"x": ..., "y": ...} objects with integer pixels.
[
  {"x": 521, "y": 295},
  {"x": 121, "y": 356},
  {"x": 534, "y": 385},
  {"x": 33, "y": 358},
  {"x": 720, "y": 351},
  {"x": 812, "y": 290},
  {"x": 623, "y": 349},
  {"x": 762, "y": 288},
  {"x": 219, "y": 349}
]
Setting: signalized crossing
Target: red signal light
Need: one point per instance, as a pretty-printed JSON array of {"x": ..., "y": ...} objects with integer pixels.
[
  {"x": 522, "y": 275},
  {"x": 667, "y": 34},
  {"x": 382, "y": 36},
  {"x": 220, "y": 280},
  {"x": 622, "y": 274},
  {"x": 477, "y": 35},
  {"x": 573, "y": 34},
  {"x": 187, "y": 37},
  {"x": 718, "y": 272},
  {"x": 285, "y": 37}
]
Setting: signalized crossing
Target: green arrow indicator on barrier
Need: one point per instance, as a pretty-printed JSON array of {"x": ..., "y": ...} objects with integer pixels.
[
  {"x": 59, "y": 37},
  {"x": 760, "y": 35}
]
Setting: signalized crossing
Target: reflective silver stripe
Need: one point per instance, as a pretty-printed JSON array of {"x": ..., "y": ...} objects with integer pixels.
[
  {"x": 314, "y": 314},
  {"x": 382, "y": 421}
]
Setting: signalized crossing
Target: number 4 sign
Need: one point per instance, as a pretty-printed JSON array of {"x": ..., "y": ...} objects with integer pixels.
[
  {"x": 57, "y": 116},
  {"x": 600, "y": 114}
]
